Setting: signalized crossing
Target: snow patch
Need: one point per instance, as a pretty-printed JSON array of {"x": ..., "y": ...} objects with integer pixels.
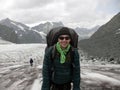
[
  {"x": 19, "y": 26},
  {"x": 36, "y": 85},
  {"x": 96, "y": 78},
  {"x": 118, "y": 31}
]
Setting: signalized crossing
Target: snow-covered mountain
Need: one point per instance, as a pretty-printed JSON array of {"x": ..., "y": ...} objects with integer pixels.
[
  {"x": 26, "y": 34},
  {"x": 7, "y": 34},
  {"x": 13, "y": 24},
  {"x": 85, "y": 33},
  {"x": 46, "y": 27},
  {"x": 82, "y": 32},
  {"x": 22, "y": 33}
]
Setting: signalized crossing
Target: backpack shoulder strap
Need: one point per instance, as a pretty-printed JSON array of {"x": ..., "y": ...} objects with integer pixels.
[
  {"x": 53, "y": 52},
  {"x": 72, "y": 52}
]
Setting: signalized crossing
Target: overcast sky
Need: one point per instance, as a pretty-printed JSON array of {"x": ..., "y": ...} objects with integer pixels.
[{"x": 73, "y": 13}]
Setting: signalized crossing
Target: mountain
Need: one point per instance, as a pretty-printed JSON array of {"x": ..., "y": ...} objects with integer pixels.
[
  {"x": 105, "y": 42},
  {"x": 15, "y": 25},
  {"x": 23, "y": 33},
  {"x": 85, "y": 33},
  {"x": 82, "y": 32},
  {"x": 46, "y": 27},
  {"x": 4, "y": 41},
  {"x": 7, "y": 34},
  {"x": 37, "y": 34}
]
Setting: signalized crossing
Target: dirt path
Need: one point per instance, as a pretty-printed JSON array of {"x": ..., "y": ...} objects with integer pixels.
[
  {"x": 18, "y": 77},
  {"x": 100, "y": 77},
  {"x": 21, "y": 77}
]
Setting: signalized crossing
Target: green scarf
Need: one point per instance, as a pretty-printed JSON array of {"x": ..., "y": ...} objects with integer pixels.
[{"x": 62, "y": 52}]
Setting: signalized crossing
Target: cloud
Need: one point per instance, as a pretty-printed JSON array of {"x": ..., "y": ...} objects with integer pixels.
[
  {"x": 29, "y": 4},
  {"x": 110, "y": 6},
  {"x": 73, "y": 13}
]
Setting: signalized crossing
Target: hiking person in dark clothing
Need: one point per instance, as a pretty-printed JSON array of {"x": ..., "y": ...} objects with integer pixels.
[
  {"x": 31, "y": 62},
  {"x": 64, "y": 68}
]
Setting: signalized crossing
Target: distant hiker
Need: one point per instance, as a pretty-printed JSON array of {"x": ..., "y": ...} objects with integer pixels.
[
  {"x": 61, "y": 65},
  {"x": 31, "y": 62}
]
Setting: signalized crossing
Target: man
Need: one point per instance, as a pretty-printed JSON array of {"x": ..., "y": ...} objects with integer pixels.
[
  {"x": 58, "y": 74},
  {"x": 31, "y": 62}
]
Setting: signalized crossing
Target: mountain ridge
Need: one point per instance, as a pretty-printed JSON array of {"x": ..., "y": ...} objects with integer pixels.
[
  {"x": 37, "y": 34},
  {"x": 105, "y": 42}
]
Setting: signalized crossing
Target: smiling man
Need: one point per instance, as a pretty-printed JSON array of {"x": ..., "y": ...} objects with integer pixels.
[{"x": 62, "y": 70}]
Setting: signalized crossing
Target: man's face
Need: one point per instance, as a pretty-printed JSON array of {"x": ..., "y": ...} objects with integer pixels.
[{"x": 64, "y": 40}]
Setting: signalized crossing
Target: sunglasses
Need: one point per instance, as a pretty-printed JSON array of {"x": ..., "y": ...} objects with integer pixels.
[{"x": 66, "y": 38}]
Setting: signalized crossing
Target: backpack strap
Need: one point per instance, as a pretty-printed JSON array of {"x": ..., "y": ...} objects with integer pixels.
[
  {"x": 72, "y": 52},
  {"x": 53, "y": 52}
]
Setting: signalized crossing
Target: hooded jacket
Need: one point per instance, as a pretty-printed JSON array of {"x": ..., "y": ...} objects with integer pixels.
[{"x": 61, "y": 73}]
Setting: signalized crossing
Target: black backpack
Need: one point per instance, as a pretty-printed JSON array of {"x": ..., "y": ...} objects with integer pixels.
[
  {"x": 51, "y": 39},
  {"x": 52, "y": 35}
]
